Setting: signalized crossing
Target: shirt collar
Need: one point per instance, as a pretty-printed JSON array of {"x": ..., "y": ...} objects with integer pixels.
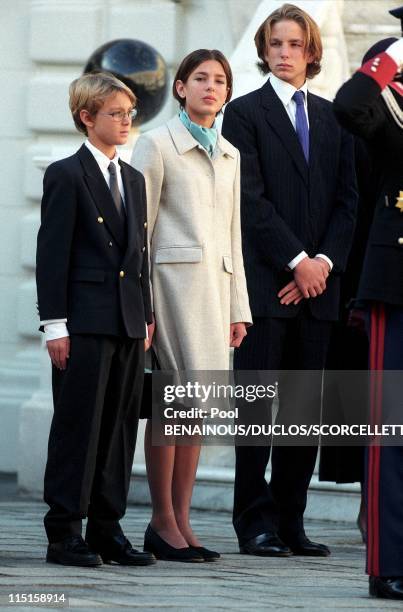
[
  {"x": 102, "y": 159},
  {"x": 284, "y": 90}
]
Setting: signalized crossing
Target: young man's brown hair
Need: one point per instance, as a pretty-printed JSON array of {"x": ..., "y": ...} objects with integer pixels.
[
  {"x": 310, "y": 28},
  {"x": 90, "y": 91}
]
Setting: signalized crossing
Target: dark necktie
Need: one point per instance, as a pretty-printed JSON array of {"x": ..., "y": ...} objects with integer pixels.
[
  {"x": 301, "y": 123},
  {"x": 114, "y": 187}
]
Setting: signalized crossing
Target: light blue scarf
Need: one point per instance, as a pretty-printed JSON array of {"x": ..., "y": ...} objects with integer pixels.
[{"x": 206, "y": 136}]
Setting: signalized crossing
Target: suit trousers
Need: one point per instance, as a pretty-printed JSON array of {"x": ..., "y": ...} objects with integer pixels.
[
  {"x": 93, "y": 435},
  {"x": 298, "y": 343},
  {"x": 384, "y": 464}
]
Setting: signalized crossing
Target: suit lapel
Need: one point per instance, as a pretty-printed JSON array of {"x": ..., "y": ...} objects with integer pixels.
[
  {"x": 316, "y": 127},
  {"x": 130, "y": 204},
  {"x": 279, "y": 121},
  {"x": 101, "y": 195}
]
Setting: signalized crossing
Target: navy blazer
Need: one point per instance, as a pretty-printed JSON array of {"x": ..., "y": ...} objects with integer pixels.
[
  {"x": 92, "y": 267},
  {"x": 288, "y": 206}
]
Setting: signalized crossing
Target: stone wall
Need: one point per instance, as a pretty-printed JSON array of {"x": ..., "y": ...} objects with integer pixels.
[{"x": 365, "y": 22}]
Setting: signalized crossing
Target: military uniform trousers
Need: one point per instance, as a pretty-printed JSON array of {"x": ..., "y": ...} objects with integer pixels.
[{"x": 384, "y": 464}]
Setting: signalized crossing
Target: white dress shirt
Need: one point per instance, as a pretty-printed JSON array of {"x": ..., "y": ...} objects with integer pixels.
[
  {"x": 285, "y": 92},
  {"x": 103, "y": 162},
  {"x": 57, "y": 328}
]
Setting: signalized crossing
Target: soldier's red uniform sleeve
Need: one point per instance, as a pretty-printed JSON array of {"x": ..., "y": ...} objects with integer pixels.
[{"x": 381, "y": 68}]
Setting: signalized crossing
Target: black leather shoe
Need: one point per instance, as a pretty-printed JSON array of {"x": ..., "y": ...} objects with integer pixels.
[
  {"x": 265, "y": 545},
  {"x": 117, "y": 548},
  {"x": 208, "y": 555},
  {"x": 301, "y": 545},
  {"x": 72, "y": 551},
  {"x": 153, "y": 543},
  {"x": 386, "y": 588}
]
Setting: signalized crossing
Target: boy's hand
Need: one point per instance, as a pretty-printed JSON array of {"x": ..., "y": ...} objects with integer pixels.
[
  {"x": 148, "y": 341},
  {"x": 59, "y": 352},
  {"x": 237, "y": 334}
]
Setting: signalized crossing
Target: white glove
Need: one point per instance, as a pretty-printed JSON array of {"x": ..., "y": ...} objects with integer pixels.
[{"x": 395, "y": 51}]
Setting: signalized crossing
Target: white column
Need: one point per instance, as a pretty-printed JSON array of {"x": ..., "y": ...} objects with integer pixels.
[{"x": 35, "y": 414}]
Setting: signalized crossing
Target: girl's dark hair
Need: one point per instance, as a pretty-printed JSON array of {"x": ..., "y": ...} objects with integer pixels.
[{"x": 192, "y": 61}]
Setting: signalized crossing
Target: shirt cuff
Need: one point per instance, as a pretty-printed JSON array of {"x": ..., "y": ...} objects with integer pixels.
[
  {"x": 47, "y": 321},
  {"x": 55, "y": 330},
  {"x": 327, "y": 260},
  {"x": 294, "y": 262}
]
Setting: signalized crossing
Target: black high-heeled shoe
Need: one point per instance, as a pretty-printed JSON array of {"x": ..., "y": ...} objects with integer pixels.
[
  {"x": 153, "y": 543},
  {"x": 208, "y": 555}
]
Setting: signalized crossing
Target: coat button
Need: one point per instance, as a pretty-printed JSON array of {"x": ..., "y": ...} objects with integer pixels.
[
  {"x": 145, "y": 223},
  {"x": 121, "y": 274},
  {"x": 110, "y": 244},
  {"x": 100, "y": 220},
  {"x": 140, "y": 275},
  {"x": 143, "y": 249},
  {"x": 400, "y": 240}
]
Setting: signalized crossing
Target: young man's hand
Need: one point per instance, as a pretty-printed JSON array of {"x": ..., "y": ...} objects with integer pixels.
[
  {"x": 310, "y": 275},
  {"x": 59, "y": 351},
  {"x": 237, "y": 334},
  {"x": 290, "y": 294}
]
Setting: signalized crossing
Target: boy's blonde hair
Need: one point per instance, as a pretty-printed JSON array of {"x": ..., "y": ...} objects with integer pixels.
[
  {"x": 313, "y": 42},
  {"x": 90, "y": 91}
]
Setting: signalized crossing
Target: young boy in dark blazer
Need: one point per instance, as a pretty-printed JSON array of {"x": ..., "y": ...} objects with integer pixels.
[{"x": 94, "y": 304}]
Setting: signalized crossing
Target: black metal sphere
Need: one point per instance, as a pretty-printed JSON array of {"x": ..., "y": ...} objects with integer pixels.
[{"x": 140, "y": 67}]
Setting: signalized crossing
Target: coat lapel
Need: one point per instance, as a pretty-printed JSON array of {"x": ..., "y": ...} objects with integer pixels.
[
  {"x": 182, "y": 138},
  {"x": 316, "y": 133},
  {"x": 279, "y": 121},
  {"x": 130, "y": 205},
  {"x": 101, "y": 195}
]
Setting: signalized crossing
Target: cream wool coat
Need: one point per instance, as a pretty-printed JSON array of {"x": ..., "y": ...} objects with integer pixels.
[{"x": 197, "y": 272}]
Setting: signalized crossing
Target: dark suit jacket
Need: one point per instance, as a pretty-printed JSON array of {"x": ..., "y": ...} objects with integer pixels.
[
  {"x": 360, "y": 108},
  {"x": 286, "y": 205},
  {"x": 92, "y": 267}
]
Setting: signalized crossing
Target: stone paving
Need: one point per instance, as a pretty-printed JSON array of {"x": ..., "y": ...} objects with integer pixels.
[{"x": 237, "y": 582}]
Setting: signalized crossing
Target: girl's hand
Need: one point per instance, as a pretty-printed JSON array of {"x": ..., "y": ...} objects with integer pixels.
[{"x": 237, "y": 334}]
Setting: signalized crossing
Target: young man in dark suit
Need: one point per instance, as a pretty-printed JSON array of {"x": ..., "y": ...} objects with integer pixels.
[
  {"x": 94, "y": 303},
  {"x": 298, "y": 210}
]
